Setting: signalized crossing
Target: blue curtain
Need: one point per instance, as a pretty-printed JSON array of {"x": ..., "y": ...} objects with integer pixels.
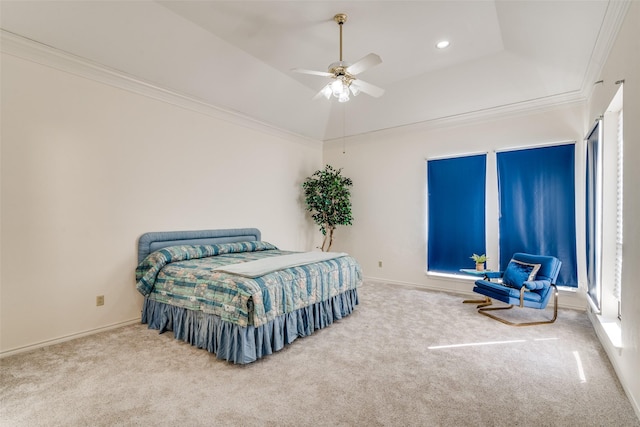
[
  {"x": 591, "y": 214},
  {"x": 456, "y": 212},
  {"x": 536, "y": 190}
]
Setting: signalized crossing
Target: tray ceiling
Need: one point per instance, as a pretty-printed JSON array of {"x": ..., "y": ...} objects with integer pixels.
[{"x": 238, "y": 55}]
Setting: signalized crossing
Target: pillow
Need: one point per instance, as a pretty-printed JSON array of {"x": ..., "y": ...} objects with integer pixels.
[{"x": 518, "y": 272}]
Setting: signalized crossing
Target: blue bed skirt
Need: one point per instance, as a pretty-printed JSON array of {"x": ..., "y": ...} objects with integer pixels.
[{"x": 245, "y": 344}]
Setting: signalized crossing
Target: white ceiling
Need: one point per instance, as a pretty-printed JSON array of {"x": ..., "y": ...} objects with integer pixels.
[{"x": 238, "y": 55}]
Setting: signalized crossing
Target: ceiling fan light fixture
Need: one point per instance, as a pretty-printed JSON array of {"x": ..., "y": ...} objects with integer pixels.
[
  {"x": 343, "y": 74},
  {"x": 337, "y": 87}
]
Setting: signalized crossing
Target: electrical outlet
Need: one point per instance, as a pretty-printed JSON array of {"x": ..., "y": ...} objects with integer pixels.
[
  {"x": 99, "y": 300},
  {"x": 380, "y": 264}
]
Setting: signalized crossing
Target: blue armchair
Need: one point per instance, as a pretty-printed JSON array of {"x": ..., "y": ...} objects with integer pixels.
[{"x": 528, "y": 281}]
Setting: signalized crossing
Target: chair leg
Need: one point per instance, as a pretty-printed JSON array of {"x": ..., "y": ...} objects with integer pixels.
[
  {"x": 483, "y": 310},
  {"x": 481, "y": 302}
]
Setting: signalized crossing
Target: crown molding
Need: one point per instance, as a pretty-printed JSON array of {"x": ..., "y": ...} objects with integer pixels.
[
  {"x": 534, "y": 106},
  {"x": 607, "y": 35},
  {"x": 31, "y": 50}
]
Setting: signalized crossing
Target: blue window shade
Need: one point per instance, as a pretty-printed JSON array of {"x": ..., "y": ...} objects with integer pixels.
[
  {"x": 456, "y": 212},
  {"x": 592, "y": 215},
  {"x": 537, "y": 206}
]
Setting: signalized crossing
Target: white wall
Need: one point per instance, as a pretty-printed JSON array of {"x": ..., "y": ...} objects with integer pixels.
[
  {"x": 88, "y": 167},
  {"x": 389, "y": 194},
  {"x": 624, "y": 64}
]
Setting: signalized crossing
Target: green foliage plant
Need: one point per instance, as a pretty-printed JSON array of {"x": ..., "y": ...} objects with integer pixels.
[
  {"x": 479, "y": 259},
  {"x": 328, "y": 198}
]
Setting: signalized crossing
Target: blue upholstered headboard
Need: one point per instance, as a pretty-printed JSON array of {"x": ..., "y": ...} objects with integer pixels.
[{"x": 150, "y": 242}]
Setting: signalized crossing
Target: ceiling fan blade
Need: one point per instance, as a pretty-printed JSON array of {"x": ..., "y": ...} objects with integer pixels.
[
  {"x": 318, "y": 96},
  {"x": 363, "y": 64},
  {"x": 368, "y": 88},
  {"x": 325, "y": 92},
  {"x": 314, "y": 73}
]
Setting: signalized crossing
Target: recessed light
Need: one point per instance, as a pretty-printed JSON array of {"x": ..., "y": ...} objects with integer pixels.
[{"x": 442, "y": 44}]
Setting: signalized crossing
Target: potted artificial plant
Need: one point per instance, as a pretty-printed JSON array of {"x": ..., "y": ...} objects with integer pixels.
[
  {"x": 480, "y": 260},
  {"x": 327, "y": 196}
]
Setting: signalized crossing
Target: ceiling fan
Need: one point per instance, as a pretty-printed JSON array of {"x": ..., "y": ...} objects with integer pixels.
[{"x": 343, "y": 75}]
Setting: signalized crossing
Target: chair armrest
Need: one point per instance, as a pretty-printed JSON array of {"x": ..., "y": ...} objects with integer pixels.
[
  {"x": 491, "y": 274},
  {"x": 534, "y": 285},
  {"x": 485, "y": 282}
]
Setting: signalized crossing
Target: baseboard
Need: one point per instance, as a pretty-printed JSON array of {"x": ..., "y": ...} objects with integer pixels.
[
  {"x": 414, "y": 285},
  {"x": 65, "y": 338},
  {"x": 570, "y": 303}
]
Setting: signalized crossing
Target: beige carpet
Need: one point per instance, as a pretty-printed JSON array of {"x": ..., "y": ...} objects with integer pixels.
[{"x": 404, "y": 358}]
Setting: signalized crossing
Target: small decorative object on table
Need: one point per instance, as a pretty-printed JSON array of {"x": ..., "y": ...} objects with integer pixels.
[{"x": 480, "y": 260}]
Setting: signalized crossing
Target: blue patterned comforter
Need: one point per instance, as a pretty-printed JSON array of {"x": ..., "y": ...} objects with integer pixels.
[{"x": 184, "y": 276}]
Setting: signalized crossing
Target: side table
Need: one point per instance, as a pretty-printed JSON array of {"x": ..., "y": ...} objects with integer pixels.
[{"x": 486, "y": 275}]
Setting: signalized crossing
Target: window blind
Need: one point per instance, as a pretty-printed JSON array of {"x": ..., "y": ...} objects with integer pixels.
[
  {"x": 536, "y": 193},
  {"x": 619, "y": 157},
  {"x": 455, "y": 212}
]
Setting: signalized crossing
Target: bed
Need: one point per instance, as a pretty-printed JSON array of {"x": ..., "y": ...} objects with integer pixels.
[{"x": 239, "y": 297}]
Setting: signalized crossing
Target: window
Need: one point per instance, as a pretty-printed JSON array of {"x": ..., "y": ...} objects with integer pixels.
[
  {"x": 611, "y": 197},
  {"x": 536, "y": 192},
  {"x": 593, "y": 214},
  {"x": 456, "y": 211}
]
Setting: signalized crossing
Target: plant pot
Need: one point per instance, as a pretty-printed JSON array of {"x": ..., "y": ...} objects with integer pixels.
[{"x": 480, "y": 266}]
